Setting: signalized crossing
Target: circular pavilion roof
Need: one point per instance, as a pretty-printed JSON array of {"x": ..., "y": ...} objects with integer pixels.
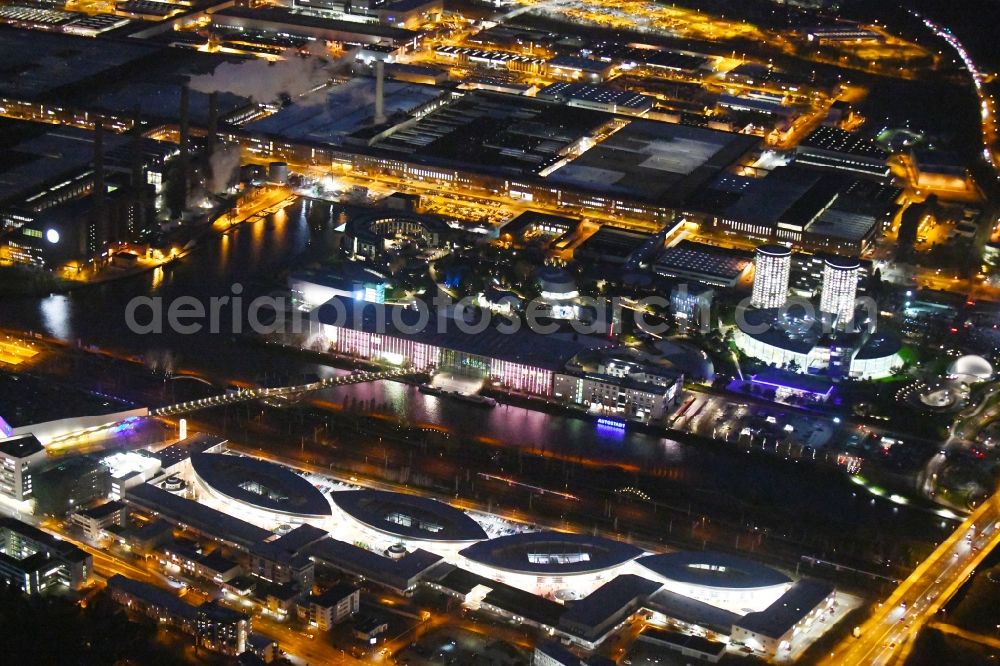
[
  {"x": 971, "y": 369},
  {"x": 555, "y": 280},
  {"x": 843, "y": 263},
  {"x": 774, "y": 250}
]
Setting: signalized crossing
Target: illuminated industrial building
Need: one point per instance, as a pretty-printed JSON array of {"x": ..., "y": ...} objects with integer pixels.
[
  {"x": 49, "y": 203},
  {"x": 598, "y": 98},
  {"x": 565, "y": 156},
  {"x": 772, "y": 267},
  {"x": 281, "y": 21},
  {"x": 702, "y": 263},
  {"x": 835, "y": 149},
  {"x": 796, "y": 205}
]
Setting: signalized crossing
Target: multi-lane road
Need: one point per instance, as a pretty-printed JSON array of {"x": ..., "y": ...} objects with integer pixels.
[{"x": 888, "y": 635}]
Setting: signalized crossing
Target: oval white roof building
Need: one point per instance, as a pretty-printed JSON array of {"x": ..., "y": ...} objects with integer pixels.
[
  {"x": 971, "y": 369},
  {"x": 551, "y": 553},
  {"x": 723, "y": 580},
  {"x": 408, "y": 517},
  {"x": 260, "y": 484}
]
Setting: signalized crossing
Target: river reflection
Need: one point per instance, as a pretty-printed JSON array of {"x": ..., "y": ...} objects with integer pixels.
[{"x": 259, "y": 256}]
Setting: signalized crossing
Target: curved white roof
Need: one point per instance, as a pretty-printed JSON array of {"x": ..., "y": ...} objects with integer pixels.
[
  {"x": 714, "y": 570},
  {"x": 971, "y": 369},
  {"x": 551, "y": 553},
  {"x": 261, "y": 484},
  {"x": 408, "y": 516}
]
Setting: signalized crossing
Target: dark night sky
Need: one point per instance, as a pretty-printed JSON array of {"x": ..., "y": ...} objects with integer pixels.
[{"x": 975, "y": 22}]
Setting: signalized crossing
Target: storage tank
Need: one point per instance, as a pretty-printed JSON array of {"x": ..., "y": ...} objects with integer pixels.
[{"x": 277, "y": 173}]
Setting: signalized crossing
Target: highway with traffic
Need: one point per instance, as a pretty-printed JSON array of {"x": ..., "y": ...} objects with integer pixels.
[{"x": 888, "y": 636}]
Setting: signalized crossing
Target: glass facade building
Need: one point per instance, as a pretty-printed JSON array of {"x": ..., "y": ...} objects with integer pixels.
[
  {"x": 840, "y": 287},
  {"x": 773, "y": 265}
]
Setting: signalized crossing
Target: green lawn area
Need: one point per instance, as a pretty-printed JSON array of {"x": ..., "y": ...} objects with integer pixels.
[{"x": 909, "y": 355}]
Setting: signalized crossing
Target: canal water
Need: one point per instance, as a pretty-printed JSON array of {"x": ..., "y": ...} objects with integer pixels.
[{"x": 259, "y": 255}]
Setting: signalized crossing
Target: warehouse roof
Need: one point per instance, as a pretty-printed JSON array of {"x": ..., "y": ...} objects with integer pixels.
[{"x": 791, "y": 607}]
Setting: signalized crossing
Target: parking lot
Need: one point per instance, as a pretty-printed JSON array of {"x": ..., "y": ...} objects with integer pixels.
[
  {"x": 463, "y": 648},
  {"x": 725, "y": 419}
]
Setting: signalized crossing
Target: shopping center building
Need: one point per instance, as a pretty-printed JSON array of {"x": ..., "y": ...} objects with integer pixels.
[{"x": 581, "y": 588}]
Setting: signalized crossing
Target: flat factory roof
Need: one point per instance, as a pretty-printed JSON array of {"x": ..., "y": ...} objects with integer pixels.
[
  {"x": 655, "y": 161},
  {"x": 329, "y": 114},
  {"x": 689, "y": 258}
]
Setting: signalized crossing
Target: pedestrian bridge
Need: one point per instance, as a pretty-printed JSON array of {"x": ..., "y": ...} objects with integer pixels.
[{"x": 246, "y": 395}]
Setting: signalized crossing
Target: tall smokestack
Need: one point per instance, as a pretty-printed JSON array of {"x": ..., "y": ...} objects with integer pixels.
[
  {"x": 184, "y": 130},
  {"x": 100, "y": 221},
  {"x": 136, "y": 179},
  {"x": 213, "y": 121},
  {"x": 99, "y": 188},
  {"x": 185, "y": 141},
  {"x": 379, "y": 92}
]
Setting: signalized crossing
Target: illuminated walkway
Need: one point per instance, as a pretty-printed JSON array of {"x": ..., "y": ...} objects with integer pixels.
[{"x": 244, "y": 395}]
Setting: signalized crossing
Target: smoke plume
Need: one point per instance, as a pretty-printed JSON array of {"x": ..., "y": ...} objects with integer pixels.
[
  {"x": 224, "y": 163},
  {"x": 266, "y": 81}
]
